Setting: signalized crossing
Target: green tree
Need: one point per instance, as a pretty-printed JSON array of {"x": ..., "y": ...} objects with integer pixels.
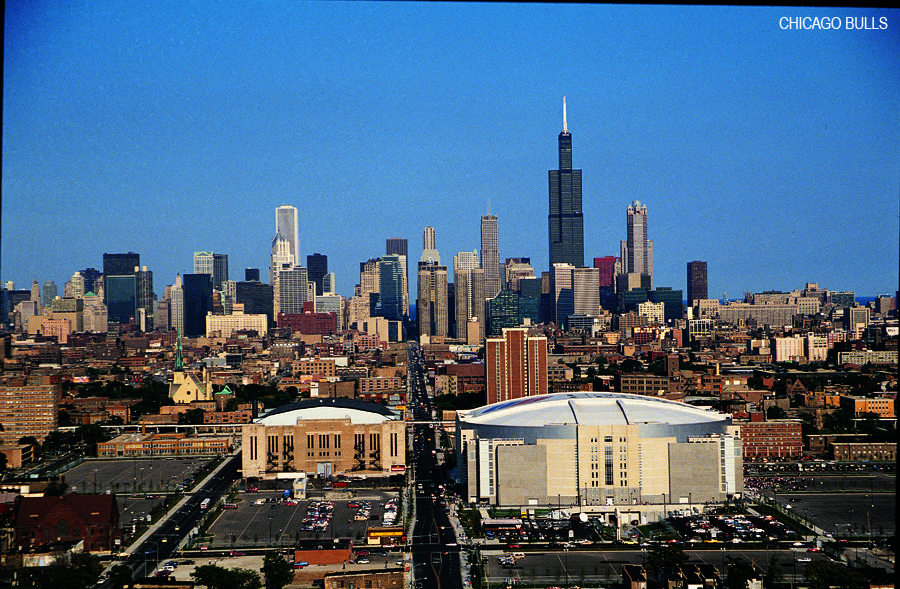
[
  {"x": 838, "y": 421},
  {"x": 664, "y": 560},
  {"x": 630, "y": 365},
  {"x": 32, "y": 441},
  {"x": 90, "y": 435},
  {"x": 775, "y": 412},
  {"x": 277, "y": 571},
  {"x": 232, "y": 404},
  {"x": 191, "y": 417},
  {"x": 70, "y": 571},
  {"x": 824, "y": 574},
  {"x": 119, "y": 576},
  {"x": 739, "y": 573},
  {"x": 216, "y": 577}
]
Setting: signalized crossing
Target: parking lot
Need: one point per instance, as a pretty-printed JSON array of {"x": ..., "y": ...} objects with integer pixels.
[
  {"x": 133, "y": 475},
  {"x": 267, "y": 519}
]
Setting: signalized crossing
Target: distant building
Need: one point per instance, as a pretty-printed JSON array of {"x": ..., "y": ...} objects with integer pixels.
[
  {"x": 565, "y": 219},
  {"x": 317, "y": 268},
  {"x": 490, "y": 255},
  {"x": 777, "y": 438},
  {"x": 696, "y": 282}
]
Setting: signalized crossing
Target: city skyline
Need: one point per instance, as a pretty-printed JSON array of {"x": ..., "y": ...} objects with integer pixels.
[{"x": 185, "y": 130}]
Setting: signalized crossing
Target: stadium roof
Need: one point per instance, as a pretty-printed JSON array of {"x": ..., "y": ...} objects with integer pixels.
[
  {"x": 358, "y": 412},
  {"x": 588, "y": 409}
]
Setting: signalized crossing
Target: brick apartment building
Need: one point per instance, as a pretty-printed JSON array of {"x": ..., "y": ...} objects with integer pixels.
[
  {"x": 43, "y": 520},
  {"x": 27, "y": 408},
  {"x": 779, "y": 438}
]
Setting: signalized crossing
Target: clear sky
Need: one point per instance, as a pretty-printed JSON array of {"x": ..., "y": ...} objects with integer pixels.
[{"x": 165, "y": 128}]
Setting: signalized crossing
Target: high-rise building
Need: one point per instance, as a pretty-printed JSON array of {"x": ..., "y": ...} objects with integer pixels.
[
  {"x": 515, "y": 366},
  {"x": 432, "y": 303},
  {"x": 607, "y": 267},
  {"x": 176, "y": 306},
  {"x": 566, "y": 220},
  {"x": 144, "y": 296},
  {"x": 399, "y": 246},
  {"x": 390, "y": 296},
  {"x": 329, "y": 284},
  {"x": 77, "y": 285},
  {"x": 563, "y": 293},
  {"x": 429, "y": 239},
  {"x": 515, "y": 270},
  {"x": 696, "y": 282},
  {"x": 637, "y": 249},
  {"x": 286, "y": 226},
  {"x": 293, "y": 290},
  {"x": 119, "y": 264},
  {"x": 257, "y": 297},
  {"x": 48, "y": 292},
  {"x": 464, "y": 300},
  {"x": 251, "y": 274},
  {"x": 91, "y": 276},
  {"x": 121, "y": 300},
  {"x": 281, "y": 257},
  {"x": 585, "y": 293},
  {"x": 490, "y": 255},
  {"x": 27, "y": 409},
  {"x": 216, "y": 265},
  {"x": 317, "y": 268},
  {"x": 197, "y": 289},
  {"x": 369, "y": 283}
]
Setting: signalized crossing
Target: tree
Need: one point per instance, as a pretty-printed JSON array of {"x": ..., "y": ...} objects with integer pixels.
[
  {"x": 277, "y": 571},
  {"x": 824, "y": 574},
  {"x": 216, "y": 577},
  {"x": 739, "y": 573},
  {"x": 191, "y": 417},
  {"x": 664, "y": 560},
  {"x": 3, "y": 462},
  {"x": 232, "y": 404},
  {"x": 775, "y": 412},
  {"x": 838, "y": 421},
  {"x": 119, "y": 576},
  {"x": 70, "y": 571},
  {"x": 31, "y": 441}
]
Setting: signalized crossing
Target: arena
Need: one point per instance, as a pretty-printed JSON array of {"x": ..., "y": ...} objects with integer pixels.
[
  {"x": 589, "y": 449},
  {"x": 324, "y": 437}
]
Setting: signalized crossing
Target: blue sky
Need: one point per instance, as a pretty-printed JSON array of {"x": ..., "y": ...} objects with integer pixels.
[{"x": 170, "y": 127}]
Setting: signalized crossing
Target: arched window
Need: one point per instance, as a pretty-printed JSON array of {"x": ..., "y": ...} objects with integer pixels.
[{"x": 62, "y": 529}]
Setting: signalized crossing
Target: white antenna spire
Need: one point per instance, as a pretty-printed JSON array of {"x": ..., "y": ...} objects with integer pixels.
[{"x": 565, "y": 127}]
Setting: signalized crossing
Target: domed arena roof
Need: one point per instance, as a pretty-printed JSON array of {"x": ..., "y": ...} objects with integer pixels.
[
  {"x": 589, "y": 409},
  {"x": 358, "y": 412}
]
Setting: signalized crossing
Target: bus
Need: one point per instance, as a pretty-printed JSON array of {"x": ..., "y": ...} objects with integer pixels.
[{"x": 204, "y": 504}]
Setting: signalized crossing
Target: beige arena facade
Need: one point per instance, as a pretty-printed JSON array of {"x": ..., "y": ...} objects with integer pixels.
[
  {"x": 597, "y": 449},
  {"x": 324, "y": 437}
]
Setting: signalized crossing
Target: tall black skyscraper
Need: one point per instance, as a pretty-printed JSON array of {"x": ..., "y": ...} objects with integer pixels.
[
  {"x": 317, "y": 268},
  {"x": 120, "y": 264},
  {"x": 197, "y": 303},
  {"x": 566, "y": 221},
  {"x": 696, "y": 282}
]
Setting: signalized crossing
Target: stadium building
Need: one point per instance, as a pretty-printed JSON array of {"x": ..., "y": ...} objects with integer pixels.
[
  {"x": 585, "y": 449},
  {"x": 324, "y": 437}
]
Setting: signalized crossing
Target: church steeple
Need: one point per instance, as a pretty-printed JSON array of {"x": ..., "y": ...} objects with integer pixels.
[{"x": 179, "y": 358}]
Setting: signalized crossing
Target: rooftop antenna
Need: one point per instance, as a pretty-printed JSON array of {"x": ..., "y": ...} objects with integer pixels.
[
  {"x": 489, "y": 205},
  {"x": 565, "y": 127}
]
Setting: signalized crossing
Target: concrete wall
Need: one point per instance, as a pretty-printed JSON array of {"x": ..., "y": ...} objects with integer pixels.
[
  {"x": 522, "y": 475},
  {"x": 694, "y": 473}
]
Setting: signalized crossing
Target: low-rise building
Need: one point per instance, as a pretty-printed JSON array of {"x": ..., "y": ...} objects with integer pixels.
[
  {"x": 43, "y": 520},
  {"x": 778, "y": 438}
]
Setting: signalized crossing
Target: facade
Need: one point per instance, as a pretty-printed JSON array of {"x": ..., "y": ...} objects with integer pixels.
[
  {"x": 563, "y": 293},
  {"x": 27, "y": 409},
  {"x": 293, "y": 290},
  {"x": 69, "y": 518},
  {"x": 257, "y": 298},
  {"x": 469, "y": 299},
  {"x": 515, "y": 366},
  {"x": 585, "y": 294},
  {"x": 863, "y": 357},
  {"x": 390, "y": 286},
  {"x": 565, "y": 220},
  {"x": 771, "y": 314},
  {"x": 778, "y": 438},
  {"x": 163, "y": 444},
  {"x": 490, "y": 255},
  {"x": 433, "y": 303},
  {"x": 226, "y": 325},
  {"x": 597, "y": 449},
  {"x": 286, "y": 226},
  {"x": 317, "y": 268},
  {"x": 120, "y": 298},
  {"x": 400, "y": 247},
  {"x": 197, "y": 289},
  {"x": 118, "y": 265},
  {"x": 144, "y": 297},
  {"x": 696, "y": 282},
  {"x": 216, "y": 265},
  {"x": 637, "y": 249},
  {"x": 324, "y": 436}
]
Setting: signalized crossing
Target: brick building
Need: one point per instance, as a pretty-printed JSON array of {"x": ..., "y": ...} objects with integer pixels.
[
  {"x": 43, "y": 520},
  {"x": 27, "y": 408},
  {"x": 779, "y": 438}
]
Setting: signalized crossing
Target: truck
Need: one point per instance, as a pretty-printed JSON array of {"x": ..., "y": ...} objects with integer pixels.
[{"x": 204, "y": 504}]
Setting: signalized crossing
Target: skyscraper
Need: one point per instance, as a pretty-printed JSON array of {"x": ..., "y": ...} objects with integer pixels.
[
  {"x": 390, "y": 296},
  {"x": 197, "y": 289},
  {"x": 216, "y": 265},
  {"x": 286, "y": 225},
  {"x": 293, "y": 290},
  {"x": 637, "y": 250},
  {"x": 490, "y": 255},
  {"x": 281, "y": 257},
  {"x": 432, "y": 304},
  {"x": 463, "y": 264},
  {"x": 399, "y": 246},
  {"x": 566, "y": 221},
  {"x": 48, "y": 292},
  {"x": 120, "y": 264},
  {"x": 696, "y": 282},
  {"x": 144, "y": 296},
  {"x": 317, "y": 267}
]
